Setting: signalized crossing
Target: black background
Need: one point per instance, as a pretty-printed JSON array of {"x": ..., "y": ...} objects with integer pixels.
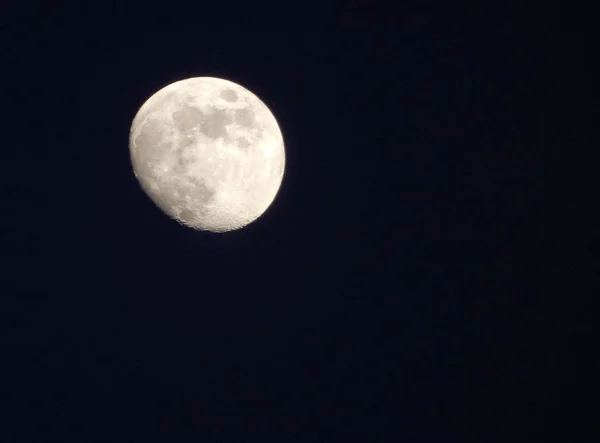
[{"x": 401, "y": 286}]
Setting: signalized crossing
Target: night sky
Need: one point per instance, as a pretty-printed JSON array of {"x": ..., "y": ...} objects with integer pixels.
[{"x": 397, "y": 290}]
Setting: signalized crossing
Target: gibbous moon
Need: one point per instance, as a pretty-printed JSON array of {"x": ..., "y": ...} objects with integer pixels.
[{"x": 208, "y": 152}]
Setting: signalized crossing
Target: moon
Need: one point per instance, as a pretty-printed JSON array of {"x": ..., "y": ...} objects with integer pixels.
[{"x": 208, "y": 153}]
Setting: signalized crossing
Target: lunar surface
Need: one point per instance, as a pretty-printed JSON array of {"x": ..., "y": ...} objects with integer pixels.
[{"x": 208, "y": 152}]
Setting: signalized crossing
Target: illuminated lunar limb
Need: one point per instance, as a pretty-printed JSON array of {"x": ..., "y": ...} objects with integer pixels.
[{"x": 208, "y": 152}]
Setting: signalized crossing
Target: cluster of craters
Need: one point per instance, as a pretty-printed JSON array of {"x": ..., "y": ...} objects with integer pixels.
[{"x": 178, "y": 132}]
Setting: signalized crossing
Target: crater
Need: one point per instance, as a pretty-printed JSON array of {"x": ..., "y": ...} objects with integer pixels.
[
  {"x": 229, "y": 95},
  {"x": 187, "y": 140},
  {"x": 243, "y": 144},
  {"x": 197, "y": 189},
  {"x": 187, "y": 118},
  {"x": 193, "y": 194},
  {"x": 149, "y": 134},
  {"x": 243, "y": 117},
  {"x": 213, "y": 125},
  {"x": 184, "y": 159},
  {"x": 186, "y": 216},
  {"x": 200, "y": 191},
  {"x": 150, "y": 146}
]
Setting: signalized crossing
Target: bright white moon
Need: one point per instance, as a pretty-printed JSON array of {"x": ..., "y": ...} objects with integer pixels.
[{"x": 208, "y": 152}]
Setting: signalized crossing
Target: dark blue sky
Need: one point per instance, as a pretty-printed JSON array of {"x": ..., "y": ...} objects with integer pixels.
[{"x": 397, "y": 288}]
